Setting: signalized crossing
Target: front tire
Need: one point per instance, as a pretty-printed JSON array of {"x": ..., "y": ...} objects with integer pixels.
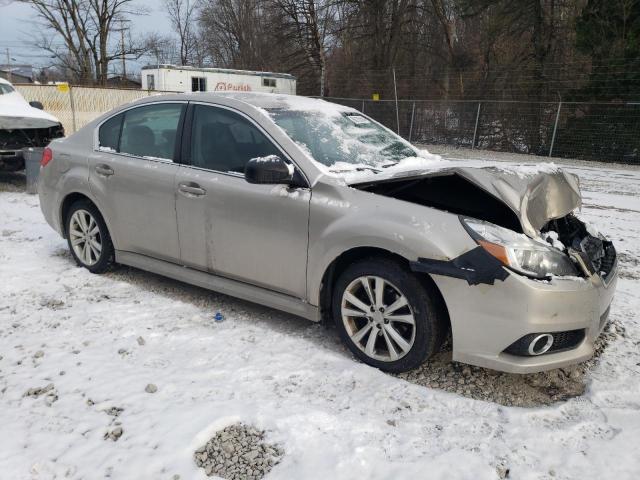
[
  {"x": 386, "y": 316},
  {"x": 88, "y": 237}
]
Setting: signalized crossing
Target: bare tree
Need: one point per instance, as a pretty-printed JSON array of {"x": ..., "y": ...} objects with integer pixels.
[
  {"x": 238, "y": 33},
  {"x": 182, "y": 14},
  {"x": 85, "y": 27},
  {"x": 307, "y": 25},
  {"x": 161, "y": 48}
]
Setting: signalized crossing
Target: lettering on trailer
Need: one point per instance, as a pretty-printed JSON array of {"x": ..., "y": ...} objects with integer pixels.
[{"x": 236, "y": 87}]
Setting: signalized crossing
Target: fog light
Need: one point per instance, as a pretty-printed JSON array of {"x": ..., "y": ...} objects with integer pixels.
[
  {"x": 540, "y": 344},
  {"x": 535, "y": 344}
]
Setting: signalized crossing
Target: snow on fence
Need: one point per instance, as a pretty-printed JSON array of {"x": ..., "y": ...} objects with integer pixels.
[
  {"x": 608, "y": 132},
  {"x": 77, "y": 106}
]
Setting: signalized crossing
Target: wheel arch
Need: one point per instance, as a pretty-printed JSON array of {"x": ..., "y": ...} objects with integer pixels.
[
  {"x": 348, "y": 257},
  {"x": 72, "y": 198}
]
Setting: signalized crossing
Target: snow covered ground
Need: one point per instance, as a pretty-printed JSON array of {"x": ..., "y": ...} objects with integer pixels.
[{"x": 334, "y": 418}]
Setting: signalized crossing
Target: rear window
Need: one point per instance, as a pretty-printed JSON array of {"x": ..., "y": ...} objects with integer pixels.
[{"x": 149, "y": 131}]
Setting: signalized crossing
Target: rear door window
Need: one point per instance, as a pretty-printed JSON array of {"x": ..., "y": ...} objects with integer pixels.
[{"x": 151, "y": 131}]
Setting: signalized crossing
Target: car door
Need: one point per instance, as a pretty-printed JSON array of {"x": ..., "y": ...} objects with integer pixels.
[
  {"x": 257, "y": 234},
  {"x": 132, "y": 176}
]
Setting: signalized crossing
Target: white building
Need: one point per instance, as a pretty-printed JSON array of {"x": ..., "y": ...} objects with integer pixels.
[{"x": 192, "y": 79}]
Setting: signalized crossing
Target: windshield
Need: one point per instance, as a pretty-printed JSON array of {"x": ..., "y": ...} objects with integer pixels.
[
  {"x": 4, "y": 88},
  {"x": 334, "y": 137}
]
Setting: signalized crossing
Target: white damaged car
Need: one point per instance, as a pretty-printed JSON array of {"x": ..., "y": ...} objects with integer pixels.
[{"x": 22, "y": 125}]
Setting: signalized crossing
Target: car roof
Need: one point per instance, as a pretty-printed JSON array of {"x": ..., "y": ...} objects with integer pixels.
[{"x": 263, "y": 100}]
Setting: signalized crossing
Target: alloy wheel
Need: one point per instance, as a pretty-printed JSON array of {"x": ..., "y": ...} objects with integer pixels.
[
  {"x": 378, "y": 318},
  {"x": 84, "y": 234}
]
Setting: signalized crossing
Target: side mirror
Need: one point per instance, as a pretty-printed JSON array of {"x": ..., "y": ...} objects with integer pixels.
[
  {"x": 36, "y": 104},
  {"x": 269, "y": 170}
]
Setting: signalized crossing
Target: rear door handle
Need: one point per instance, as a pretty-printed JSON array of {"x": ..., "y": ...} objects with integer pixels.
[
  {"x": 191, "y": 189},
  {"x": 104, "y": 170}
]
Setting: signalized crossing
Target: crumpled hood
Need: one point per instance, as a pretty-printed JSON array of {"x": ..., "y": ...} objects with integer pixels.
[
  {"x": 535, "y": 198},
  {"x": 535, "y": 193},
  {"x": 16, "y": 113}
]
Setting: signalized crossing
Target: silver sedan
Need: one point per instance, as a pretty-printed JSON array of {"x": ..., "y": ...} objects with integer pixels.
[{"x": 316, "y": 209}]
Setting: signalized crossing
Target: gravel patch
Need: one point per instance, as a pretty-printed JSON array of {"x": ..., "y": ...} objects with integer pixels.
[
  {"x": 531, "y": 390},
  {"x": 49, "y": 392},
  {"x": 238, "y": 452}
]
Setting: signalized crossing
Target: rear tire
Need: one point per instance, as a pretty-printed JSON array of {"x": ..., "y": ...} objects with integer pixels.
[
  {"x": 394, "y": 323},
  {"x": 88, "y": 237}
]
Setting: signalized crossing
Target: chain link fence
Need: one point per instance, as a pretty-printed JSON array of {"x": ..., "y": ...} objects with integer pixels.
[
  {"x": 77, "y": 106},
  {"x": 608, "y": 132}
]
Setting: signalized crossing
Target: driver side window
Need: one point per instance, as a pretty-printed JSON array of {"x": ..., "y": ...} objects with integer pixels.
[{"x": 224, "y": 141}]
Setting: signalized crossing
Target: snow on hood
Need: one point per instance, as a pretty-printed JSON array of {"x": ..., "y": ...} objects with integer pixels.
[{"x": 16, "y": 113}]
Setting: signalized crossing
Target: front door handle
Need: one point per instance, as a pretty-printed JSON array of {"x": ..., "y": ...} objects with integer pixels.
[
  {"x": 191, "y": 189},
  {"x": 104, "y": 170}
]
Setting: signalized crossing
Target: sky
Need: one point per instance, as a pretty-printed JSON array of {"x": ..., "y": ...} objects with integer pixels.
[{"x": 18, "y": 32}]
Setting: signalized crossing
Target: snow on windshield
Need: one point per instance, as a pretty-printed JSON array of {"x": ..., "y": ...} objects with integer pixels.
[{"x": 343, "y": 141}]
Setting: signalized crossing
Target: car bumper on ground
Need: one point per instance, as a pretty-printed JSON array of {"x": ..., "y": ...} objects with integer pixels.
[{"x": 487, "y": 319}]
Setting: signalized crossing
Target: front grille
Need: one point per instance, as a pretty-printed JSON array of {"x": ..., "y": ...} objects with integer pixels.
[
  {"x": 29, "y": 137},
  {"x": 566, "y": 340},
  {"x": 561, "y": 341}
]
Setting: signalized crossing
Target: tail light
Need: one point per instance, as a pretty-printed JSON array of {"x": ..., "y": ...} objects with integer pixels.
[{"x": 47, "y": 156}]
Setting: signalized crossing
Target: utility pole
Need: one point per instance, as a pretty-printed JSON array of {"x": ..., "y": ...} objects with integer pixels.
[
  {"x": 124, "y": 63},
  {"x": 122, "y": 49},
  {"x": 8, "y": 66}
]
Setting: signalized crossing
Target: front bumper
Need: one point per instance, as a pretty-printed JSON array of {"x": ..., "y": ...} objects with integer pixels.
[{"x": 486, "y": 319}]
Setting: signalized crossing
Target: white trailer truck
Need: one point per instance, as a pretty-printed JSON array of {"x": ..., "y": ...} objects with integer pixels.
[{"x": 192, "y": 79}]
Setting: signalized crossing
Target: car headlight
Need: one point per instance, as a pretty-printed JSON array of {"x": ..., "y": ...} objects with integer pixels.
[{"x": 534, "y": 258}]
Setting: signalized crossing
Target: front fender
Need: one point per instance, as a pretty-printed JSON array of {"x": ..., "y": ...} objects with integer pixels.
[{"x": 347, "y": 218}]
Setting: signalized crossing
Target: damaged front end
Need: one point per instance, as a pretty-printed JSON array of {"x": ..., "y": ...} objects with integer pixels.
[
  {"x": 552, "y": 276},
  {"x": 521, "y": 221},
  {"x": 590, "y": 250},
  {"x": 14, "y": 141}
]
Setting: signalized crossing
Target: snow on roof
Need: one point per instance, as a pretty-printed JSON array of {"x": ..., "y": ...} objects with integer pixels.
[
  {"x": 218, "y": 70},
  {"x": 279, "y": 100}
]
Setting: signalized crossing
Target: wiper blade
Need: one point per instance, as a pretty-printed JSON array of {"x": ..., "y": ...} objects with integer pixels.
[{"x": 357, "y": 169}]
